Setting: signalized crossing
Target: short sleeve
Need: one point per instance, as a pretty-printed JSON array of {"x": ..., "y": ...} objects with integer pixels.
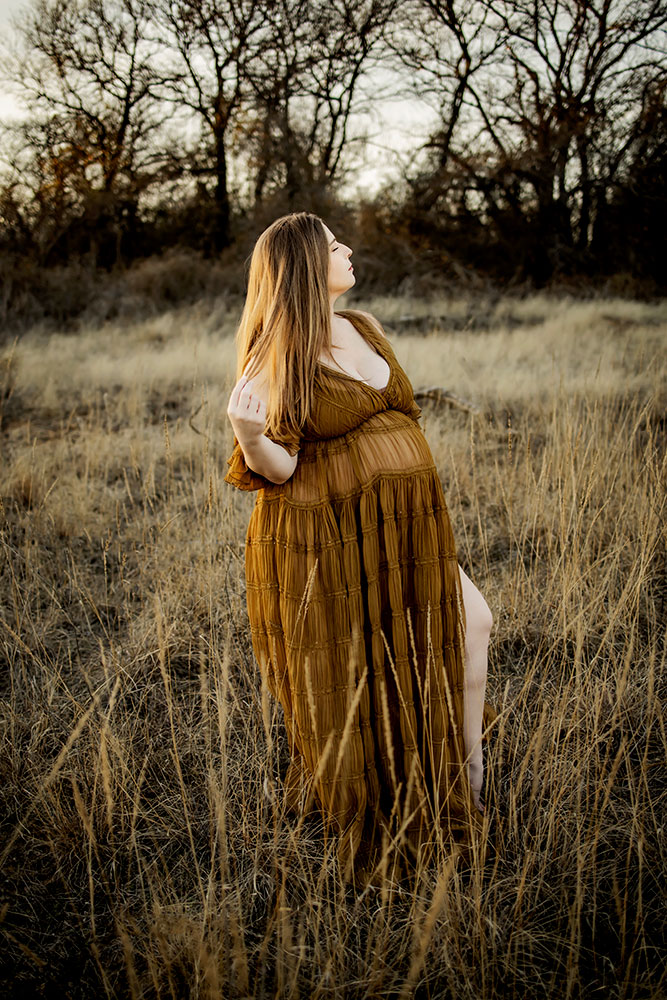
[
  {"x": 290, "y": 441},
  {"x": 414, "y": 411},
  {"x": 240, "y": 475}
]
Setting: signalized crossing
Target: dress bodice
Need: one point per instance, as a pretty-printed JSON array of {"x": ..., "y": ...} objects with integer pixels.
[{"x": 341, "y": 404}]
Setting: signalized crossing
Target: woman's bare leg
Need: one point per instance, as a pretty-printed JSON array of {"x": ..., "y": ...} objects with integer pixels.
[{"x": 478, "y": 629}]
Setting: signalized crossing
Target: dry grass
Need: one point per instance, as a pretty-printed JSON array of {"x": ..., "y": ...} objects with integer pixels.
[{"x": 142, "y": 856}]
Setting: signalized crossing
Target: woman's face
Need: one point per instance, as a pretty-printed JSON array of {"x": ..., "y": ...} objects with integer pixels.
[{"x": 341, "y": 273}]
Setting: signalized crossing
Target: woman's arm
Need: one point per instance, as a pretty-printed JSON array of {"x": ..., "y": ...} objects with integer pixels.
[
  {"x": 247, "y": 415},
  {"x": 269, "y": 459}
]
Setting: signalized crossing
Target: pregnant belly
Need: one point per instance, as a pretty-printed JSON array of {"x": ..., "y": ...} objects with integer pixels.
[{"x": 388, "y": 444}]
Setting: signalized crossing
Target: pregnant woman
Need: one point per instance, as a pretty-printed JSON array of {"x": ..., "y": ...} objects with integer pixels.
[{"x": 363, "y": 624}]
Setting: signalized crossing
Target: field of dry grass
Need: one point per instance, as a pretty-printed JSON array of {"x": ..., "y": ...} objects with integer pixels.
[{"x": 140, "y": 856}]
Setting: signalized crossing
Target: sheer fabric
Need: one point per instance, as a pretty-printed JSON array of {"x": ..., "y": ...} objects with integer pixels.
[{"x": 355, "y": 609}]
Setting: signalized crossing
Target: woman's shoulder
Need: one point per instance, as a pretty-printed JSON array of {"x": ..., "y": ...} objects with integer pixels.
[{"x": 367, "y": 317}]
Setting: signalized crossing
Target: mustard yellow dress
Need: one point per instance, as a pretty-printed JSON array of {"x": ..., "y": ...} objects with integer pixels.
[{"x": 357, "y": 621}]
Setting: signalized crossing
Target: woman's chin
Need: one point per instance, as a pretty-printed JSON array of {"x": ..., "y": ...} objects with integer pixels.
[{"x": 344, "y": 288}]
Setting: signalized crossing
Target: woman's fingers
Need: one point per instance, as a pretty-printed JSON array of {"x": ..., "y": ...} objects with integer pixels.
[
  {"x": 245, "y": 404},
  {"x": 240, "y": 394},
  {"x": 237, "y": 390},
  {"x": 248, "y": 399}
]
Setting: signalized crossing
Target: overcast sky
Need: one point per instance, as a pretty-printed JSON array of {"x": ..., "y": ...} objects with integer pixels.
[
  {"x": 8, "y": 9},
  {"x": 7, "y": 6}
]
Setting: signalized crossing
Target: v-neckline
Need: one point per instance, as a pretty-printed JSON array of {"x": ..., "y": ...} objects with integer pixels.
[{"x": 360, "y": 381}]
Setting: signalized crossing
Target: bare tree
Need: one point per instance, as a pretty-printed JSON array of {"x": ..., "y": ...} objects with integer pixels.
[
  {"x": 309, "y": 88},
  {"x": 87, "y": 76},
  {"x": 565, "y": 112},
  {"x": 213, "y": 47},
  {"x": 541, "y": 107},
  {"x": 277, "y": 151},
  {"x": 445, "y": 45}
]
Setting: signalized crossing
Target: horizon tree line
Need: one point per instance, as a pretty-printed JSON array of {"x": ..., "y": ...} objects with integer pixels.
[{"x": 154, "y": 123}]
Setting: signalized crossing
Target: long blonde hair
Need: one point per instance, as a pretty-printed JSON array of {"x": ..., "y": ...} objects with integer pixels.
[{"x": 286, "y": 320}]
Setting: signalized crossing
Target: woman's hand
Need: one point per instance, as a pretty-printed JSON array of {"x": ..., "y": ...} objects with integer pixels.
[
  {"x": 246, "y": 411},
  {"x": 247, "y": 415}
]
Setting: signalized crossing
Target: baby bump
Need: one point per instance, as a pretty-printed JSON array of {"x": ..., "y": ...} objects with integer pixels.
[{"x": 389, "y": 443}]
